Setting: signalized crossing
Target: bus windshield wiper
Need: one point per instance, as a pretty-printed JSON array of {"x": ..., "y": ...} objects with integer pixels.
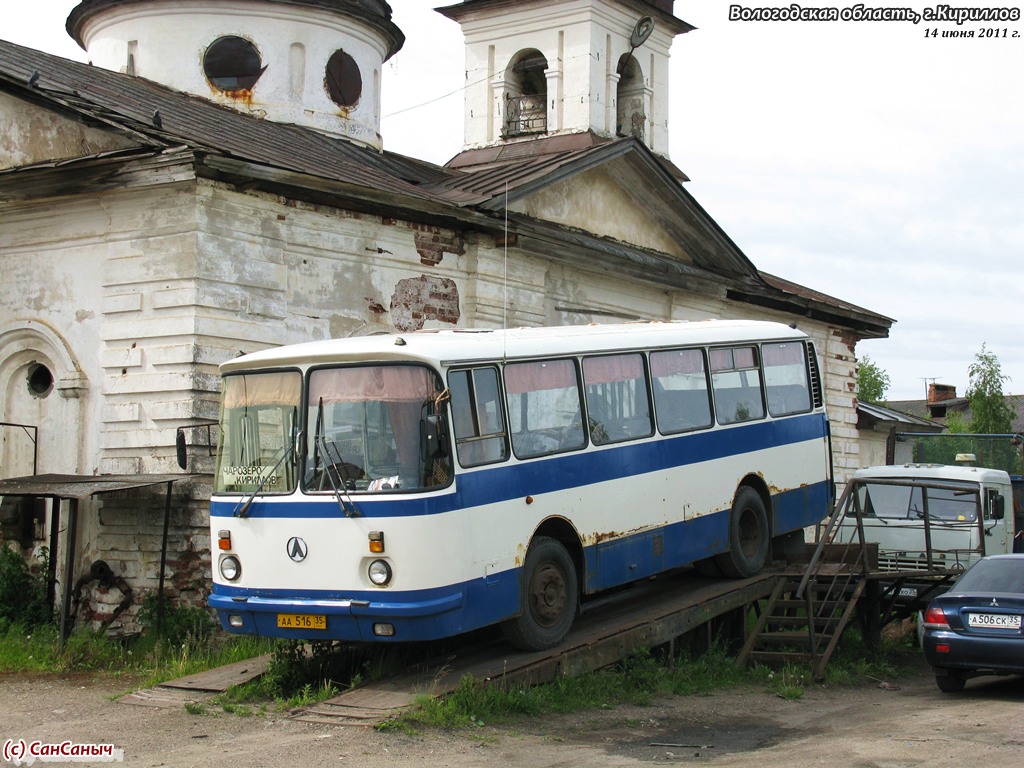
[
  {"x": 242, "y": 509},
  {"x": 321, "y": 448}
]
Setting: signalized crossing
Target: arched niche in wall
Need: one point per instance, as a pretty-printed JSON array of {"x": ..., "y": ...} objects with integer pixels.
[
  {"x": 526, "y": 94},
  {"x": 40, "y": 385},
  {"x": 630, "y": 114}
]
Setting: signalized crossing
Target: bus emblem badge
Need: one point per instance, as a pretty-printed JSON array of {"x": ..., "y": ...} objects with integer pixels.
[{"x": 297, "y": 549}]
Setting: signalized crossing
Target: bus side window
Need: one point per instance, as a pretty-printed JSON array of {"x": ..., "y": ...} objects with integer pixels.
[
  {"x": 681, "y": 397},
  {"x": 478, "y": 417},
  {"x": 736, "y": 381},
  {"x": 618, "y": 407},
  {"x": 544, "y": 410},
  {"x": 785, "y": 378}
]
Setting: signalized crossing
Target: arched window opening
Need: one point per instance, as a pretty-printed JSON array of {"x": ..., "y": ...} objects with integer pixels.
[
  {"x": 233, "y": 64},
  {"x": 343, "y": 80},
  {"x": 630, "y": 115},
  {"x": 526, "y": 95}
]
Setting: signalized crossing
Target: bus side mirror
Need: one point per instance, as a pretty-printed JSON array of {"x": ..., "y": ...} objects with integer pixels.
[
  {"x": 179, "y": 444},
  {"x": 434, "y": 444},
  {"x": 998, "y": 507}
]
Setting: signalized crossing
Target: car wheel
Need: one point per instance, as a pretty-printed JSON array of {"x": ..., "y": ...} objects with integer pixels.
[{"x": 949, "y": 681}]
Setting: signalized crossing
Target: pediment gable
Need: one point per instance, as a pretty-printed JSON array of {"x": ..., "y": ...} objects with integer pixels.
[
  {"x": 33, "y": 134},
  {"x": 583, "y": 201},
  {"x": 622, "y": 192}
]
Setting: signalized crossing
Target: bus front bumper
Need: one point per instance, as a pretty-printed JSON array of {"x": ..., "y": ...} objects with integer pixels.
[{"x": 353, "y": 620}]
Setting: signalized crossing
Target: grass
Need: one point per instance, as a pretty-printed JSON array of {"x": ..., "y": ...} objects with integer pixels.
[
  {"x": 636, "y": 680},
  {"x": 299, "y": 677},
  {"x": 153, "y": 659},
  {"x": 644, "y": 676}
]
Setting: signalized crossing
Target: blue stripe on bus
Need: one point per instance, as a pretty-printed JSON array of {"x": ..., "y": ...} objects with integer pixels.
[
  {"x": 429, "y": 614},
  {"x": 554, "y": 473}
]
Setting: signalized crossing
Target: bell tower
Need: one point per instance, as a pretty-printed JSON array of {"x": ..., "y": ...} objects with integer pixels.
[
  {"x": 315, "y": 63},
  {"x": 537, "y": 68}
]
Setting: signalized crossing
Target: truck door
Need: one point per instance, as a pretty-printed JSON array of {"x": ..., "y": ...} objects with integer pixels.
[{"x": 998, "y": 520}]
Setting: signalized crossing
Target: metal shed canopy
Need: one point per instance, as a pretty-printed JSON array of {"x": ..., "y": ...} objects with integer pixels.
[{"x": 78, "y": 486}]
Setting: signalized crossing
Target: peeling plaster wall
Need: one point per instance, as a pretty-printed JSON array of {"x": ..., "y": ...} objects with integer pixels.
[
  {"x": 32, "y": 135},
  {"x": 99, "y": 273},
  {"x": 274, "y": 271},
  {"x": 589, "y": 197}
]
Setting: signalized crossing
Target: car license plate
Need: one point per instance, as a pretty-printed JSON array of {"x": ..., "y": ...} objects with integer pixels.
[
  {"x": 993, "y": 620},
  {"x": 908, "y": 592},
  {"x": 301, "y": 621}
]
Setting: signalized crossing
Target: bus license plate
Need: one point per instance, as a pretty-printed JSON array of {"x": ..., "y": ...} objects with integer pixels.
[
  {"x": 301, "y": 621},
  {"x": 993, "y": 620}
]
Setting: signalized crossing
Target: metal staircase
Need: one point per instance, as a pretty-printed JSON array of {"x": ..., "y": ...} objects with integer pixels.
[{"x": 804, "y": 617}]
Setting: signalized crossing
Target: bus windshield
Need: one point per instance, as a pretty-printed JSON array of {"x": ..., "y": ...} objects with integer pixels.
[
  {"x": 366, "y": 428},
  {"x": 258, "y": 424}
]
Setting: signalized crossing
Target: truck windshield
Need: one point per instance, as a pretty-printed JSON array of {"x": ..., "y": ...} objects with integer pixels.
[
  {"x": 366, "y": 428},
  {"x": 908, "y": 502},
  {"x": 258, "y": 425}
]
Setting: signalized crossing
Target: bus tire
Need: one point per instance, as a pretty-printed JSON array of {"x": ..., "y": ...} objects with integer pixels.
[
  {"x": 749, "y": 537},
  {"x": 549, "y": 598}
]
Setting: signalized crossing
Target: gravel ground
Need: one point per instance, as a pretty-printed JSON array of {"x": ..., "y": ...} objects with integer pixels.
[{"x": 889, "y": 724}]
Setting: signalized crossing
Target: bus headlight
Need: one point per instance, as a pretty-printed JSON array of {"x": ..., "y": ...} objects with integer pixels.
[
  {"x": 230, "y": 568},
  {"x": 379, "y": 573}
]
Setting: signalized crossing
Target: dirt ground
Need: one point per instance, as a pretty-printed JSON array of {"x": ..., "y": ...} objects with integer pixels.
[{"x": 896, "y": 724}]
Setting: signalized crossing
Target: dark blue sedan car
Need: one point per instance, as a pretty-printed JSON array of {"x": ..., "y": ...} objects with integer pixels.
[{"x": 976, "y": 628}]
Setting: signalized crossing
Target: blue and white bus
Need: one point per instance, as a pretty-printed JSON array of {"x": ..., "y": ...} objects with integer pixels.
[{"x": 416, "y": 486}]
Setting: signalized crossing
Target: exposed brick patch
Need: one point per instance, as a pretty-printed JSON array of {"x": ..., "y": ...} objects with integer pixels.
[
  {"x": 847, "y": 338},
  {"x": 419, "y": 299},
  {"x": 432, "y": 243}
]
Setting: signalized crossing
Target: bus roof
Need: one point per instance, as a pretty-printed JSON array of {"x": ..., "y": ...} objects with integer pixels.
[
  {"x": 462, "y": 345},
  {"x": 937, "y": 472}
]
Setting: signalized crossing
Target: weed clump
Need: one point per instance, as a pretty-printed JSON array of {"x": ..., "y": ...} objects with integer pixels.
[{"x": 22, "y": 592}]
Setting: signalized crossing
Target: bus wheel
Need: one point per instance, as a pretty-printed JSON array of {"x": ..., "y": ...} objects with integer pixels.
[
  {"x": 549, "y": 598},
  {"x": 749, "y": 539}
]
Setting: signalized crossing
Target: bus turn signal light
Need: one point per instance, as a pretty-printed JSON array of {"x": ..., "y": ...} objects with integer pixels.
[
  {"x": 224, "y": 540},
  {"x": 377, "y": 542}
]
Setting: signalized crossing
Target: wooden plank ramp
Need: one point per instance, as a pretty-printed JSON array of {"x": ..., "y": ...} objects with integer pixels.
[
  {"x": 192, "y": 689},
  {"x": 609, "y": 630}
]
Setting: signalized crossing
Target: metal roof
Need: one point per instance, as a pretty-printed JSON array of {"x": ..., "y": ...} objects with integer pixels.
[
  {"x": 881, "y": 413},
  {"x": 79, "y": 486},
  {"x": 160, "y": 116}
]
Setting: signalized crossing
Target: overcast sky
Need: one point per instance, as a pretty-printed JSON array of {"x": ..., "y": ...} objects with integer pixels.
[{"x": 866, "y": 160}]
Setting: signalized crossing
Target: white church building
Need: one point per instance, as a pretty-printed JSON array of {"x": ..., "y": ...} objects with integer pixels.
[{"x": 215, "y": 182}]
